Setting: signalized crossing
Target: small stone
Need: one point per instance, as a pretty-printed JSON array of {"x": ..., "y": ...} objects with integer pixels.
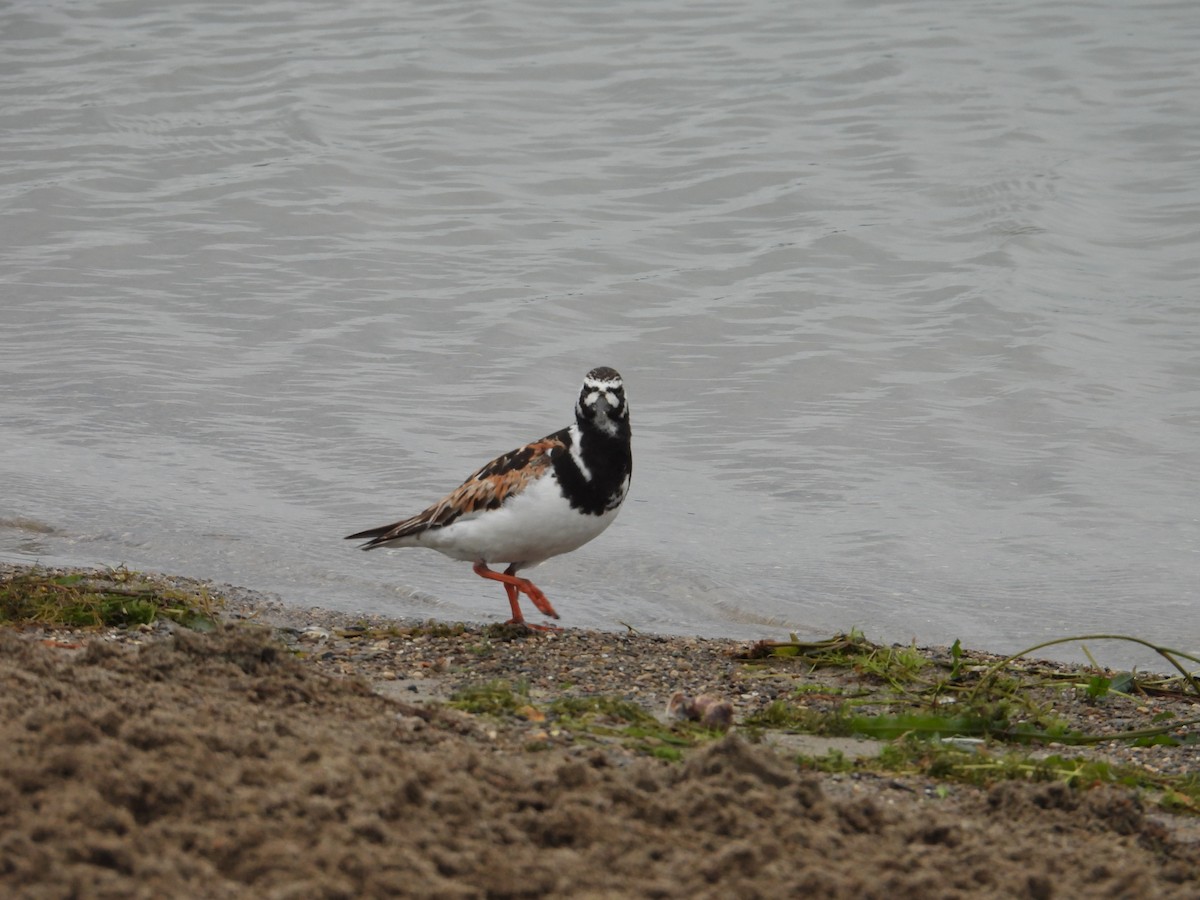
[{"x": 531, "y": 714}]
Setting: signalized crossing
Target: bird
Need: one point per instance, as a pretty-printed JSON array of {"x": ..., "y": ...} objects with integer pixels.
[{"x": 549, "y": 497}]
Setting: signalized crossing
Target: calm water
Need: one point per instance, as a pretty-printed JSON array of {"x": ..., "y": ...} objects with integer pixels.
[{"x": 905, "y": 296}]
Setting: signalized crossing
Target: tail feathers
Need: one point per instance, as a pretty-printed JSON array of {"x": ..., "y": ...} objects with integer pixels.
[
  {"x": 371, "y": 533},
  {"x": 385, "y": 534}
]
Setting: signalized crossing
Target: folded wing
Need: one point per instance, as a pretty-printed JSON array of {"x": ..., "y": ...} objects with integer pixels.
[{"x": 487, "y": 488}]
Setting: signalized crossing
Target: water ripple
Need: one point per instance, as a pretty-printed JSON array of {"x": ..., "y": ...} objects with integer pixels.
[{"x": 904, "y": 295}]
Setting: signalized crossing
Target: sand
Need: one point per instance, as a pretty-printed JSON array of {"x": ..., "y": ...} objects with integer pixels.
[{"x": 272, "y": 762}]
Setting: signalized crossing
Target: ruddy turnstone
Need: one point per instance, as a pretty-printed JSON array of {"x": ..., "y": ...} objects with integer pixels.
[{"x": 546, "y": 498}]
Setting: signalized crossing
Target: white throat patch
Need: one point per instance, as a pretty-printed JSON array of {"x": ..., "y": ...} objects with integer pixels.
[{"x": 577, "y": 455}]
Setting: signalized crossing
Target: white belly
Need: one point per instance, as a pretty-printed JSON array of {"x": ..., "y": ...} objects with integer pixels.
[{"x": 531, "y": 527}]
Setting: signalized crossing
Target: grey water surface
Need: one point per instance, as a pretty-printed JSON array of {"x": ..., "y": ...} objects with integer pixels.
[{"x": 904, "y": 294}]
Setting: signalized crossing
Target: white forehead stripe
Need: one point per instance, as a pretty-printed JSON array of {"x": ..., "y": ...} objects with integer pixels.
[{"x": 603, "y": 385}]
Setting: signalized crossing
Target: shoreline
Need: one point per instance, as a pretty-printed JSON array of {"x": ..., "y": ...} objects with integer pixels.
[
  {"x": 568, "y": 746},
  {"x": 449, "y": 656}
]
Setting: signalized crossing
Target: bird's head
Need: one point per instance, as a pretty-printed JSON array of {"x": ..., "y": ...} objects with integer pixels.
[{"x": 602, "y": 402}]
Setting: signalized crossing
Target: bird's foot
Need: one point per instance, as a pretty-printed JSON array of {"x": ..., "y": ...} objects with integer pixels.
[{"x": 538, "y": 598}]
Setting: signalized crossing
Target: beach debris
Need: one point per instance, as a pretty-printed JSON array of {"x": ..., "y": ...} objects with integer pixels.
[{"x": 710, "y": 711}]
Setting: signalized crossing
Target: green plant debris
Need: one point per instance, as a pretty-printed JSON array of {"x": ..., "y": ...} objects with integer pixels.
[
  {"x": 435, "y": 629},
  {"x": 899, "y": 665},
  {"x": 956, "y": 659},
  {"x": 493, "y": 698},
  {"x": 948, "y": 693},
  {"x": 1097, "y": 687},
  {"x": 104, "y": 598},
  {"x": 841, "y": 722},
  {"x": 614, "y": 718},
  {"x": 780, "y": 714},
  {"x": 896, "y": 665},
  {"x": 591, "y": 708},
  {"x": 1174, "y": 658},
  {"x": 604, "y": 719},
  {"x": 982, "y": 767},
  {"x": 959, "y": 716}
]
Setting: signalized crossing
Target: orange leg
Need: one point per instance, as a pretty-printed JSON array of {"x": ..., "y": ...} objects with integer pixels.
[{"x": 514, "y": 585}]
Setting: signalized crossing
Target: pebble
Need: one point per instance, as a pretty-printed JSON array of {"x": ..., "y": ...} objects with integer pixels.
[{"x": 650, "y": 668}]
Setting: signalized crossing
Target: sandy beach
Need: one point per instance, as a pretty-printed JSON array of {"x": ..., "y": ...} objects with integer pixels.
[{"x": 291, "y": 753}]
